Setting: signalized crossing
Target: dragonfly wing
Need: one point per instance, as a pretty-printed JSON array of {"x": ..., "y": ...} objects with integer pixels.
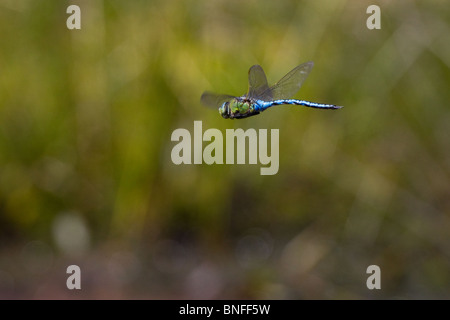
[
  {"x": 289, "y": 85},
  {"x": 257, "y": 84},
  {"x": 213, "y": 100}
]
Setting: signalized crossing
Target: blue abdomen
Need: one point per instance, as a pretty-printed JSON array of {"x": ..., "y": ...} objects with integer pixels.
[{"x": 263, "y": 105}]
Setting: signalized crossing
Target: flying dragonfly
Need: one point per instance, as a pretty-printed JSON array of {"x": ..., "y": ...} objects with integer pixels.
[{"x": 261, "y": 97}]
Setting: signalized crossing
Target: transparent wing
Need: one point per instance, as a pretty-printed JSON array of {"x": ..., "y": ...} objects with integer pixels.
[
  {"x": 290, "y": 83},
  {"x": 213, "y": 100},
  {"x": 257, "y": 84}
]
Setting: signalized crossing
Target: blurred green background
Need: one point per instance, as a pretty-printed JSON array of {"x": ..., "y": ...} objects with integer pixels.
[{"x": 86, "y": 176}]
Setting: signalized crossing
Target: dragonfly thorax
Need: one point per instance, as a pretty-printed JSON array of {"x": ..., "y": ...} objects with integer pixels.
[{"x": 238, "y": 108}]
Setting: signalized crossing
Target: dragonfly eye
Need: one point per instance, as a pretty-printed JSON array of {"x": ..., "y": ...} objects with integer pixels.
[{"x": 224, "y": 110}]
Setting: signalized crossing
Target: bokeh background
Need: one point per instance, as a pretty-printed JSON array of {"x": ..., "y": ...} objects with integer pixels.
[{"x": 86, "y": 176}]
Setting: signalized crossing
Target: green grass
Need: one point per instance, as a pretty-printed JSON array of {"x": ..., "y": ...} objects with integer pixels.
[{"x": 86, "y": 118}]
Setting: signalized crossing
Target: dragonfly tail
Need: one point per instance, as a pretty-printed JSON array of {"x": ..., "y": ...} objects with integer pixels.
[{"x": 268, "y": 104}]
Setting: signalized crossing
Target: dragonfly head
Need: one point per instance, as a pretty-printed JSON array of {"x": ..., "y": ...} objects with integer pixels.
[{"x": 224, "y": 110}]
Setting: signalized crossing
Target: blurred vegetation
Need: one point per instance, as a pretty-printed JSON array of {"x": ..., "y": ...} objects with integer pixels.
[{"x": 86, "y": 176}]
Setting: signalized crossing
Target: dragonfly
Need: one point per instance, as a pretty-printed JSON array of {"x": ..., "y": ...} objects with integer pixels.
[{"x": 261, "y": 97}]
